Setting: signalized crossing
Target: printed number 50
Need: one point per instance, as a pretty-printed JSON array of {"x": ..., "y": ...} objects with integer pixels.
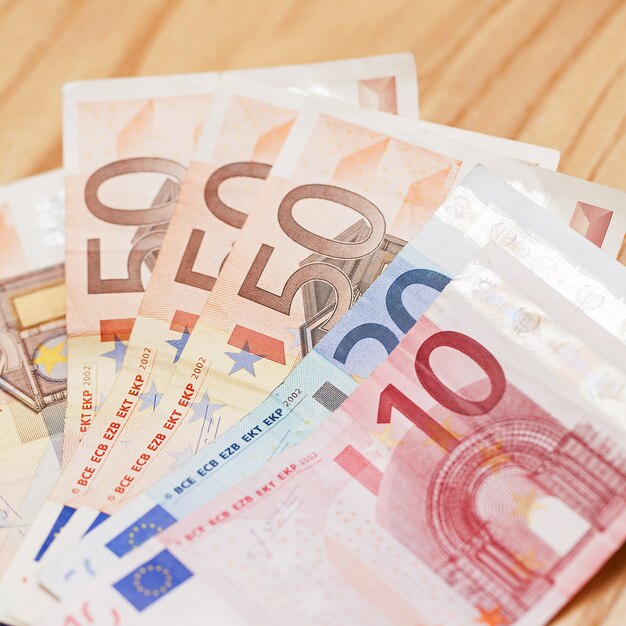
[
  {"x": 159, "y": 213},
  {"x": 319, "y": 271}
]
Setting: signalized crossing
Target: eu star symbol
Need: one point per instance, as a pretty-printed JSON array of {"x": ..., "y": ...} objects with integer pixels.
[
  {"x": 151, "y": 398},
  {"x": 526, "y": 504},
  {"x": 357, "y": 379},
  {"x": 295, "y": 333},
  {"x": 100, "y": 404},
  {"x": 448, "y": 425},
  {"x": 491, "y": 617},
  {"x": 243, "y": 360},
  {"x": 179, "y": 344},
  {"x": 495, "y": 455},
  {"x": 183, "y": 455},
  {"x": 527, "y": 563},
  {"x": 117, "y": 354},
  {"x": 49, "y": 357},
  {"x": 385, "y": 437},
  {"x": 204, "y": 409}
]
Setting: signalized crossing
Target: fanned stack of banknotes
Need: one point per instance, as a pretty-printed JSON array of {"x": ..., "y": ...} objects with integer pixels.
[{"x": 325, "y": 363}]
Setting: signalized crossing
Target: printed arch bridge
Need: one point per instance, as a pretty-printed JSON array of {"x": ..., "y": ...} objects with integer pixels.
[{"x": 573, "y": 466}]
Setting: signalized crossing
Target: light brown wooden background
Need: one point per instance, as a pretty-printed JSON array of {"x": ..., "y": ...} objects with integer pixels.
[{"x": 546, "y": 71}]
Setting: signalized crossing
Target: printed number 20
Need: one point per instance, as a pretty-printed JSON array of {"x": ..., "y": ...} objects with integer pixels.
[{"x": 397, "y": 311}]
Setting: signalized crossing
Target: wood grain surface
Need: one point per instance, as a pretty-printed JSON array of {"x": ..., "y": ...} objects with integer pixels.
[{"x": 551, "y": 72}]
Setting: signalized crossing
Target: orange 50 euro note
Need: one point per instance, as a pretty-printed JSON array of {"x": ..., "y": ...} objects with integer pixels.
[
  {"x": 238, "y": 143},
  {"x": 127, "y": 145}
]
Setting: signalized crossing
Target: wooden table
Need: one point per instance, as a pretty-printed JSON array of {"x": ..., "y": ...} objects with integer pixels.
[{"x": 545, "y": 71}]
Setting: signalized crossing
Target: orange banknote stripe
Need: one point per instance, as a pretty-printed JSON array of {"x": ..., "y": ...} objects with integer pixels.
[{"x": 258, "y": 343}]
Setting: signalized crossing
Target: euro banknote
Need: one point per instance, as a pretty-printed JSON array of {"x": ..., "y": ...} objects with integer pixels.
[
  {"x": 33, "y": 351},
  {"x": 127, "y": 146},
  {"x": 196, "y": 482},
  {"x": 127, "y": 143},
  {"x": 485, "y": 455}
]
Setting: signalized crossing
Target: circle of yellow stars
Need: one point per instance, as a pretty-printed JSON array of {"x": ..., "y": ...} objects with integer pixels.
[
  {"x": 140, "y": 527},
  {"x": 167, "y": 580}
]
